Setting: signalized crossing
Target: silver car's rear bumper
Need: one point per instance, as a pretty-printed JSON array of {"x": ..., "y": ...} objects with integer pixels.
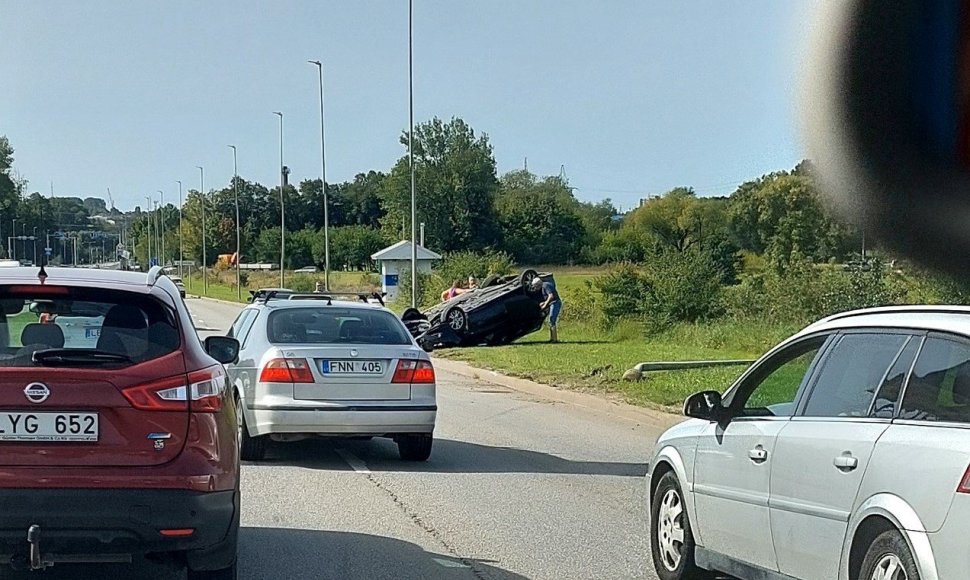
[{"x": 367, "y": 419}]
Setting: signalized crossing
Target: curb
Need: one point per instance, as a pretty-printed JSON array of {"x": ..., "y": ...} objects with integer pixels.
[
  {"x": 219, "y": 300},
  {"x": 639, "y": 415}
]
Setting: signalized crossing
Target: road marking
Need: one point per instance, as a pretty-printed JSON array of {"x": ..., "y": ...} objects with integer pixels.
[
  {"x": 352, "y": 460},
  {"x": 449, "y": 563}
]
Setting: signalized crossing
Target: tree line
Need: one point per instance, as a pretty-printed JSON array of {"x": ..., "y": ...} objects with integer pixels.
[{"x": 465, "y": 205}]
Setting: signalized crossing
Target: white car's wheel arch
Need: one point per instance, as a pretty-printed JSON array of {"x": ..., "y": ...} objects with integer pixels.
[
  {"x": 669, "y": 459},
  {"x": 904, "y": 518}
]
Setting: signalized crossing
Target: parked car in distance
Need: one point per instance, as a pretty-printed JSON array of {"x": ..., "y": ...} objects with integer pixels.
[
  {"x": 501, "y": 310},
  {"x": 307, "y": 270},
  {"x": 118, "y": 434},
  {"x": 179, "y": 284},
  {"x": 311, "y": 365},
  {"x": 841, "y": 453}
]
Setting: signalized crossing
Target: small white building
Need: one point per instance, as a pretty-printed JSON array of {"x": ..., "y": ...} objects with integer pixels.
[{"x": 396, "y": 260}]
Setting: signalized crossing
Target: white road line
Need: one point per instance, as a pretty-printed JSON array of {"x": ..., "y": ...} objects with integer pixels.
[
  {"x": 449, "y": 563},
  {"x": 352, "y": 460}
]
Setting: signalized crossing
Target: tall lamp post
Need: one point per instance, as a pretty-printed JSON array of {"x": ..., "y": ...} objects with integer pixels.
[
  {"x": 181, "y": 255},
  {"x": 282, "y": 209},
  {"x": 323, "y": 182},
  {"x": 161, "y": 223},
  {"x": 235, "y": 187},
  {"x": 148, "y": 217},
  {"x": 414, "y": 211},
  {"x": 205, "y": 283}
]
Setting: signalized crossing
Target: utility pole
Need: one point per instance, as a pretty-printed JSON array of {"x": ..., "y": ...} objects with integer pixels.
[
  {"x": 235, "y": 188},
  {"x": 282, "y": 209},
  {"x": 148, "y": 217},
  {"x": 205, "y": 282},
  {"x": 181, "y": 255},
  {"x": 414, "y": 211},
  {"x": 323, "y": 183}
]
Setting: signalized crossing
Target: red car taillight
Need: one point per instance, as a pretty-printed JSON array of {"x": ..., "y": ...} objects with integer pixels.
[
  {"x": 286, "y": 370},
  {"x": 413, "y": 371},
  {"x": 964, "y": 486},
  {"x": 203, "y": 391}
]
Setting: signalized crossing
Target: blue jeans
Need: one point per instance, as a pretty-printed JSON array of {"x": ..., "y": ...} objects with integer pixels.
[{"x": 554, "y": 309}]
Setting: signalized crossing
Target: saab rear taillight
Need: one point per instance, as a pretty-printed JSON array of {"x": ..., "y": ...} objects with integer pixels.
[
  {"x": 202, "y": 390},
  {"x": 286, "y": 370},
  {"x": 413, "y": 371}
]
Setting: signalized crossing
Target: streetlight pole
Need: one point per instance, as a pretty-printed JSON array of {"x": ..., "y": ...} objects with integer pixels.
[
  {"x": 12, "y": 242},
  {"x": 205, "y": 283},
  {"x": 323, "y": 182},
  {"x": 161, "y": 220},
  {"x": 181, "y": 256},
  {"x": 414, "y": 211},
  {"x": 148, "y": 217},
  {"x": 235, "y": 187},
  {"x": 35, "y": 245},
  {"x": 282, "y": 209}
]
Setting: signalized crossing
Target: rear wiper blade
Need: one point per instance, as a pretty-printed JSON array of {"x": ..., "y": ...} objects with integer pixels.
[{"x": 77, "y": 356}]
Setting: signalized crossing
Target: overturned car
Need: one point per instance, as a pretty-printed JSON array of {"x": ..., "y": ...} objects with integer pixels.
[{"x": 502, "y": 310}]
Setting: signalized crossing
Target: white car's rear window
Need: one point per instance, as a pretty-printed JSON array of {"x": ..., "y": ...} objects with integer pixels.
[{"x": 330, "y": 325}]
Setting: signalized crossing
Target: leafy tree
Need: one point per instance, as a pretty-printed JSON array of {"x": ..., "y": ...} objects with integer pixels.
[
  {"x": 350, "y": 246},
  {"x": 540, "y": 219},
  {"x": 456, "y": 186},
  {"x": 780, "y": 214}
]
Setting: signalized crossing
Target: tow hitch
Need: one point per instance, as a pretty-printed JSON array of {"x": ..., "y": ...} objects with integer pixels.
[{"x": 35, "y": 561}]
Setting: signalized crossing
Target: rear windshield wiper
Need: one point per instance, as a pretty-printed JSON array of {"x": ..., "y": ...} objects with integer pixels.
[{"x": 77, "y": 356}]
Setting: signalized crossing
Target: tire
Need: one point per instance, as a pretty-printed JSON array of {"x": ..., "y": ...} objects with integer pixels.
[
  {"x": 230, "y": 573},
  {"x": 456, "y": 319},
  {"x": 889, "y": 558},
  {"x": 413, "y": 314},
  {"x": 673, "y": 559},
  {"x": 525, "y": 278},
  {"x": 250, "y": 448},
  {"x": 415, "y": 447},
  {"x": 492, "y": 280}
]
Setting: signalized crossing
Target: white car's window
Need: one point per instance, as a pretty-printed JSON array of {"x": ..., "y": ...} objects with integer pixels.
[
  {"x": 246, "y": 328},
  {"x": 329, "y": 325},
  {"x": 851, "y": 374},
  {"x": 771, "y": 391},
  {"x": 884, "y": 405},
  {"x": 235, "y": 329},
  {"x": 939, "y": 388}
]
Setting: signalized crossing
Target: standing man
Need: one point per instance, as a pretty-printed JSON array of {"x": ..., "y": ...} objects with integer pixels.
[{"x": 550, "y": 300}]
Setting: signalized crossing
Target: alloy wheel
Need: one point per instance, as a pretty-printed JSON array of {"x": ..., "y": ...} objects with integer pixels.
[
  {"x": 670, "y": 530},
  {"x": 890, "y": 567}
]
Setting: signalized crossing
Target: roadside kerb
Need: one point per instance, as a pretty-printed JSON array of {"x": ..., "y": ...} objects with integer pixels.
[{"x": 640, "y": 415}]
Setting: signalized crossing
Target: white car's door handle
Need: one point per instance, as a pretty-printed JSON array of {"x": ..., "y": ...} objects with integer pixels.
[
  {"x": 758, "y": 454},
  {"x": 846, "y": 462}
]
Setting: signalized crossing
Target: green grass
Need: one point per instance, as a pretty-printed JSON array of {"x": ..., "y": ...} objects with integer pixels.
[
  {"x": 592, "y": 359},
  {"x": 16, "y": 324}
]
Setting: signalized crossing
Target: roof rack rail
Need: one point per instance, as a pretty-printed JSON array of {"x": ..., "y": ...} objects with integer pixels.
[{"x": 154, "y": 274}]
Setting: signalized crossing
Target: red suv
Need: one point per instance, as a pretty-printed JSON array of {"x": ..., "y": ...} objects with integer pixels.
[{"x": 118, "y": 434}]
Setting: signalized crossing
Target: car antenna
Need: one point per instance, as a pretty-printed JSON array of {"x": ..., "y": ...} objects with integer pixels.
[{"x": 42, "y": 275}]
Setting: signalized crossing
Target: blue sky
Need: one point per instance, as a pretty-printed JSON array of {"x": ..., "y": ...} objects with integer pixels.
[{"x": 633, "y": 97}]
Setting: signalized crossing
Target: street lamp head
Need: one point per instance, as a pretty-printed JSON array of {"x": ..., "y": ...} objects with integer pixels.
[
  {"x": 316, "y": 62},
  {"x": 278, "y": 113}
]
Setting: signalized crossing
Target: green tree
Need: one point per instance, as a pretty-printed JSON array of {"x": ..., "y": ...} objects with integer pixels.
[
  {"x": 456, "y": 185},
  {"x": 351, "y": 246},
  {"x": 540, "y": 219}
]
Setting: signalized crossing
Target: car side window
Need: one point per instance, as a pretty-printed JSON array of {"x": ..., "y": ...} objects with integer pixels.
[
  {"x": 851, "y": 374},
  {"x": 884, "y": 405},
  {"x": 939, "y": 387},
  {"x": 239, "y": 322},
  {"x": 247, "y": 326},
  {"x": 773, "y": 387}
]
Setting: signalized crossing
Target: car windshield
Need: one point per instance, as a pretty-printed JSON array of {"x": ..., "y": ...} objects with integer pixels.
[
  {"x": 80, "y": 324},
  {"x": 329, "y": 325}
]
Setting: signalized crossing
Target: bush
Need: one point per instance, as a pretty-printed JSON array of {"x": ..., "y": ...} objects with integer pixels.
[
  {"x": 671, "y": 287},
  {"x": 427, "y": 289},
  {"x": 582, "y": 305},
  {"x": 461, "y": 265}
]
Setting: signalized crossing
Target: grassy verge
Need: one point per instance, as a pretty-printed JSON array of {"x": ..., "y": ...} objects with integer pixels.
[
  {"x": 589, "y": 358},
  {"x": 221, "y": 285}
]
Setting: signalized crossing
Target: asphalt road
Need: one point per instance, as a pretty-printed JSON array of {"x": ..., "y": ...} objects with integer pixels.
[{"x": 516, "y": 487}]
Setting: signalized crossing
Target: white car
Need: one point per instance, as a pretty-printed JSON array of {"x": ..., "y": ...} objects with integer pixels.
[
  {"x": 842, "y": 453},
  {"x": 310, "y": 365}
]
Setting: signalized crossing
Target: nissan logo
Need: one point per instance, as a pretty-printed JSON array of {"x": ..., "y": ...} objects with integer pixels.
[{"x": 37, "y": 392}]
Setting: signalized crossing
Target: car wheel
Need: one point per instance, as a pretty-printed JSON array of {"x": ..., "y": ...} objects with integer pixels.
[
  {"x": 415, "y": 447},
  {"x": 889, "y": 558},
  {"x": 525, "y": 279},
  {"x": 230, "y": 573},
  {"x": 671, "y": 540},
  {"x": 250, "y": 448},
  {"x": 413, "y": 314},
  {"x": 456, "y": 319}
]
